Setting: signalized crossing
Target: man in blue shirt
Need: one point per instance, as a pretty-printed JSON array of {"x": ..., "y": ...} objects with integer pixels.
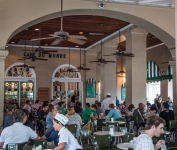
[
  {"x": 113, "y": 113},
  {"x": 8, "y": 119}
]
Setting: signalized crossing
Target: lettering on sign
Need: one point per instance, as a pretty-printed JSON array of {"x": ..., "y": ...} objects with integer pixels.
[
  {"x": 26, "y": 54},
  {"x": 44, "y": 94}
]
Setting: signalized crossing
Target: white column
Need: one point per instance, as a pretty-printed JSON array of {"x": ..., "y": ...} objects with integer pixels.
[
  {"x": 91, "y": 56},
  {"x": 3, "y": 55},
  {"x": 110, "y": 76},
  {"x": 136, "y": 67},
  {"x": 66, "y": 95}
]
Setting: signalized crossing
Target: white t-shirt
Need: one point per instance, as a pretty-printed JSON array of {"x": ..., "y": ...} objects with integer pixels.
[
  {"x": 143, "y": 142},
  {"x": 106, "y": 102},
  {"x": 65, "y": 136},
  {"x": 17, "y": 133}
]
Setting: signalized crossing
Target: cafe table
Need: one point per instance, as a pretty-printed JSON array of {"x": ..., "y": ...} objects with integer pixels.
[{"x": 125, "y": 146}]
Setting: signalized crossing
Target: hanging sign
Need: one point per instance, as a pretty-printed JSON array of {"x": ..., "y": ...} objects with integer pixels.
[
  {"x": 43, "y": 94},
  {"x": 26, "y": 54}
]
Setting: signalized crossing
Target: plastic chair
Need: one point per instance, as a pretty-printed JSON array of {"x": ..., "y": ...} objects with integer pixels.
[
  {"x": 172, "y": 128},
  {"x": 27, "y": 147},
  {"x": 123, "y": 129},
  {"x": 131, "y": 126},
  {"x": 100, "y": 123},
  {"x": 85, "y": 135},
  {"x": 116, "y": 125},
  {"x": 172, "y": 144},
  {"x": 128, "y": 137},
  {"x": 36, "y": 143},
  {"x": 93, "y": 125},
  {"x": 72, "y": 128},
  {"x": 103, "y": 141},
  {"x": 19, "y": 146},
  {"x": 172, "y": 148}
]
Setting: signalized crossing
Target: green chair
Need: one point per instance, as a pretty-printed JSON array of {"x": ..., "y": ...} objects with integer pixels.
[
  {"x": 128, "y": 137},
  {"x": 100, "y": 123},
  {"x": 72, "y": 128},
  {"x": 105, "y": 128},
  {"x": 131, "y": 126},
  {"x": 18, "y": 145},
  {"x": 27, "y": 147},
  {"x": 116, "y": 125},
  {"x": 36, "y": 143},
  {"x": 85, "y": 135},
  {"x": 172, "y": 148},
  {"x": 102, "y": 141},
  {"x": 93, "y": 126},
  {"x": 172, "y": 128},
  {"x": 172, "y": 144},
  {"x": 123, "y": 129}
]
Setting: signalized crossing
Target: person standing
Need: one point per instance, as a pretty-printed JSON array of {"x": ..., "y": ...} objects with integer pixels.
[
  {"x": 106, "y": 102},
  {"x": 154, "y": 127},
  {"x": 170, "y": 103},
  {"x": 167, "y": 114}
]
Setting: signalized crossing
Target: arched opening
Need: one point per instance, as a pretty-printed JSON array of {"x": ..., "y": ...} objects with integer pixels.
[
  {"x": 65, "y": 83},
  {"x": 19, "y": 84}
]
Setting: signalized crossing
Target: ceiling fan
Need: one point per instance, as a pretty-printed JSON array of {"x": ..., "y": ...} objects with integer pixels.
[
  {"x": 101, "y": 60},
  {"x": 25, "y": 65},
  {"x": 121, "y": 73},
  {"x": 120, "y": 52},
  {"x": 40, "y": 49},
  {"x": 81, "y": 67},
  {"x": 62, "y": 35},
  {"x": 69, "y": 68},
  {"x": 33, "y": 58}
]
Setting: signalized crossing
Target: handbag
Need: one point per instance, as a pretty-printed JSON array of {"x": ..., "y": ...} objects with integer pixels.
[{"x": 141, "y": 116}]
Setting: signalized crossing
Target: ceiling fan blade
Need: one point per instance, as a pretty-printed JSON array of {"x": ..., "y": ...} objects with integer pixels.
[
  {"x": 93, "y": 61},
  {"x": 77, "y": 41},
  {"x": 109, "y": 61},
  {"x": 45, "y": 38},
  {"x": 77, "y": 37},
  {"x": 56, "y": 42},
  {"x": 110, "y": 54},
  {"x": 41, "y": 59},
  {"x": 53, "y": 35}
]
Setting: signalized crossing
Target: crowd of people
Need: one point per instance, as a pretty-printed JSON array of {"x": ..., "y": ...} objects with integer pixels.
[{"x": 55, "y": 116}]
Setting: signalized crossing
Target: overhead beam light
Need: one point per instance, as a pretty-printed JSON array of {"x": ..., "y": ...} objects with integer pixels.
[
  {"x": 12, "y": 42},
  {"x": 36, "y": 29},
  {"x": 81, "y": 32}
]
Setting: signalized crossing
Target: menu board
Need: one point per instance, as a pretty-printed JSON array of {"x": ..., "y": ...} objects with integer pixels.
[
  {"x": 91, "y": 90},
  {"x": 43, "y": 94}
]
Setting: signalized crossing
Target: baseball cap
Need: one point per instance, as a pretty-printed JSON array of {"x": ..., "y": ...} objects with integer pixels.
[
  {"x": 61, "y": 118},
  {"x": 109, "y": 94}
]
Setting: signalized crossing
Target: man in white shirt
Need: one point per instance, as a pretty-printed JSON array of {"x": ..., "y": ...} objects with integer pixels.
[
  {"x": 66, "y": 139},
  {"x": 154, "y": 127},
  {"x": 17, "y": 133},
  {"x": 106, "y": 102}
]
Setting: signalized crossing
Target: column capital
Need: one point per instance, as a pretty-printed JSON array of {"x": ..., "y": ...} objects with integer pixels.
[
  {"x": 173, "y": 53},
  {"x": 172, "y": 63},
  {"x": 3, "y": 53},
  {"x": 136, "y": 31}
]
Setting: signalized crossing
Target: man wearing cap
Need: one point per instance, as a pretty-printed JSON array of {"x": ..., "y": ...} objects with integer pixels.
[
  {"x": 66, "y": 139},
  {"x": 106, "y": 102},
  {"x": 8, "y": 119}
]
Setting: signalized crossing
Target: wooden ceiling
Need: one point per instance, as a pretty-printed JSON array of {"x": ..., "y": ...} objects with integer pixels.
[{"x": 74, "y": 24}]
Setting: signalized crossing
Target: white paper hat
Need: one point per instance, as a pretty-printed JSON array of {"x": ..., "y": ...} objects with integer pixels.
[
  {"x": 109, "y": 94},
  {"x": 61, "y": 118}
]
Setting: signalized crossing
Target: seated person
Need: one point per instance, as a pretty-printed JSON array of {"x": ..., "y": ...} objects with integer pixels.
[
  {"x": 129, "y": 112},
  {"x": 153, "y": 110},
  {"x": 49, "y": 122},
  {"x": 27, "y": 106},
  {"x": 36, "y": 105},
  {"x": 113, "y": 113},
  {"x": 66, "y": 140},
  {"x": 78, "y": 108},
  {"x": 8, "y": 119},
  {"x": 62, "y": 108},
  {"x": 28, "y": 122},
  {"x": 74, "y": 118},
  {"x": 99, "y": 110},
  {"x": 154, "y": 127},
  {"x": 88, "y": 113},
  {"x": 42, "y": 114},
  {"x": 17, "y": 133},
  {"x": 167, "y": 114}
]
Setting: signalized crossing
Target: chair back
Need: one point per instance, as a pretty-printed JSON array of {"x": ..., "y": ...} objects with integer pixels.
[
  {"x": 103, "y": 141},
  {"x": 18, "y": 146},
  {"x": 135, "y": 119},
  {"x": 123, "y": 129},
  {"x": 27, "y": 147},
  {"x": 85, "y": 134},
  {"x": 121, "y": 119},
  {"x": 93, "y": 125},
  {"x": 172, "y": 144},
  {"x": 172, "y": 124},
  {"x": 131, "y": 126},
  {"x": 114, "y": 124},
  {"x": 36, "y": 143},
  {"x": 88, "y": 125},
  {"x": 128, "y": 137},
  {"x": 72, "y": 128},
  {"x": 42, "y": 125},
  {"x": 100, "y": 122}
]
